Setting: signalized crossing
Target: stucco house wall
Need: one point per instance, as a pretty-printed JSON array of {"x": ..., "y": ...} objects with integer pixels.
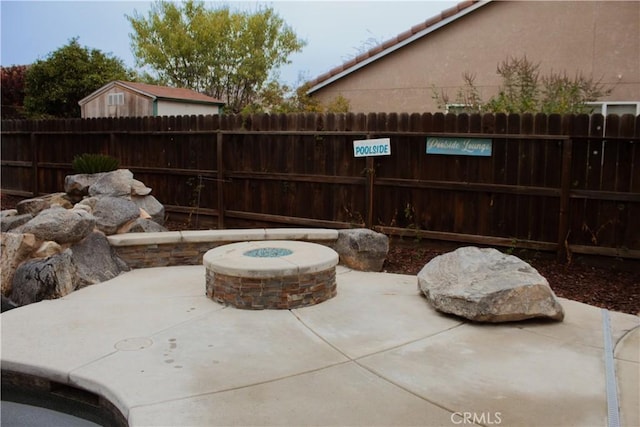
[{"x": 600, "y": 39}]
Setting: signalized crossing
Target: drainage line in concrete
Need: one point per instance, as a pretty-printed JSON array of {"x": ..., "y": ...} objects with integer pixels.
[{"x": 613, "y": 412}]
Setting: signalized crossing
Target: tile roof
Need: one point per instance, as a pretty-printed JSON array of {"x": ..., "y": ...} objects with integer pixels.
[
  {"x": 165, "y": 92},
  {"x": 394, "y": 42}
]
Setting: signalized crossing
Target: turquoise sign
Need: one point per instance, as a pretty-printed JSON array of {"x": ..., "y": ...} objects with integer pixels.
[{"x": 459, "y": 146}]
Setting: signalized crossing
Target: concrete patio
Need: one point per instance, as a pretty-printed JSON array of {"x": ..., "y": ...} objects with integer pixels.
[{"x": 154, "y": 345}]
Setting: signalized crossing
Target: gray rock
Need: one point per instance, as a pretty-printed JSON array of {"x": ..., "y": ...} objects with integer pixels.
[
  {"x": 38, "y": 204},
  {"x": 95, "y": 260},
  {"x": 152, "y": 206},
  {"x": 15, "y": 249},
  {"x": 8, "y": 213},
  {"x": 87, "y": 202},
  {"x": 77, "y": 186},
  {"x": 7, "y": 304},
  {"x": 111, "y": 213},
  {"x": 142, "y": 225},
  {"x": 486, "y": 285},
  {"x": 85, "y": 208},
  {"x": 11, "y": 222},
  {"x": 362, "y": 249},
  {"x": 115, "y": 184},
  {"x": 48, "y": 278},
  {"x": 48, "y": 249},
  {"x": 31, "y": 206},
  {"x": 139, "y": 189},
  {"x": 60, "y": 225}
]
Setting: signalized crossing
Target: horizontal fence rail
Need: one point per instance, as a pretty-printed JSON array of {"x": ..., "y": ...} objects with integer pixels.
[{"x": 569, "y": 183}]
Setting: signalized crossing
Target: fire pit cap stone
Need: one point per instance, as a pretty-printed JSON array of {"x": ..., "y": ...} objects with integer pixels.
[{"x": 305, "y": 258}]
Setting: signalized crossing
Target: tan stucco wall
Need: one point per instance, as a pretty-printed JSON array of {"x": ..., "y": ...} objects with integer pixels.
[{"x": 599, "y": 39}]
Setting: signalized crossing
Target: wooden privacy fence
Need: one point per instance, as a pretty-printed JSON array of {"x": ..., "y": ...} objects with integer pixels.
[{"x": 563, "y": 183}]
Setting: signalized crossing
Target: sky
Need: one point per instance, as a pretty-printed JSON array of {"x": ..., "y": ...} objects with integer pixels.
[{"x": 333, "y": 30}]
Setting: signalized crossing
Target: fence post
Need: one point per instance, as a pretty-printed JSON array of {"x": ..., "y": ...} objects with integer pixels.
[
  {"x": 565, "y": 183},
  {"x": 220, "y": 180},
  {"x": 370, "y": 168},
  {"x": 34, "y": 164},
  {"x": 371, "y": 174}
]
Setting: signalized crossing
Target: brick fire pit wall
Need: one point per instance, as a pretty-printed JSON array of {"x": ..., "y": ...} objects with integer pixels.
[{"x": 283, "y": 274}]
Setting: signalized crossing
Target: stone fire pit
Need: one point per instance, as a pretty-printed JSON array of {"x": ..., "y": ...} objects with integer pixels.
[{"x": 276, "y": 274}]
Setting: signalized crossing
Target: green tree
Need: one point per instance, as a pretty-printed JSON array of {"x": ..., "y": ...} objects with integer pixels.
[
  {"x": 227, "y": 55},
  {"x": 339, "y": 104},
  {"x": 56, "y": 84},
  {"x": 524, "y": 90},
  {"x": 278, "y": 98}
]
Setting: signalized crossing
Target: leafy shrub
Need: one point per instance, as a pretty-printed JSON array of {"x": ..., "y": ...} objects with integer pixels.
[{"x": 94, "y": 163}]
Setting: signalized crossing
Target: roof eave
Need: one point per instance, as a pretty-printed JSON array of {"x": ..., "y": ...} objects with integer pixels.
[{"x": 396, "y": 46}]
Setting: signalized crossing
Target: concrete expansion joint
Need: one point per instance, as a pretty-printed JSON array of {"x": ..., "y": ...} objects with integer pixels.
[
  {"x": 401, "y": 387},
  {"x": 242, "y": 387},
  {"x": 357, "y": 361},
  {"x": 303, "y": 323},
  {"x": 426, "y": 337}
]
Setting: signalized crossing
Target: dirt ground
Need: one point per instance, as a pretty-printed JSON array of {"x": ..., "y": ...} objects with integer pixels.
[{"x": 604, "y": 282}]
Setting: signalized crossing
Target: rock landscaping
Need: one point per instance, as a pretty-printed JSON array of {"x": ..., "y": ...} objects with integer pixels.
[
  {"x": 54, "y": 244},
  {"x": 362, "y": 249}
]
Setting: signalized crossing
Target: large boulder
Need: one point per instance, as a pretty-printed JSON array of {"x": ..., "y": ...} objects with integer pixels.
[
  {"x": 38, "y": 204},
  {"x": 77, "y": 186},
  {"x": 95, "y": 260},
  {"x": 31, "y": 206},
  {"x": 362, "y": 249},
  {"x": 111, "y": 213},
  {"x": 15, "y": 249},
  {"x": 485, "y": 285},
  {"x": 48, "y": 278},
  {"x": 142, "y": 225},
  {"x": 60, "y": 225},
  {"x": 150, "y": 205},
  {"x": 139, "y": 189},
  {"x": 115, "y": 184},
  {"x": 11, "y": 222}
]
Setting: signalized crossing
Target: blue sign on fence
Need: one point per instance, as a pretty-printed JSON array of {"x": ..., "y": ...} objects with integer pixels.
[{"x": 459, "y": 146}]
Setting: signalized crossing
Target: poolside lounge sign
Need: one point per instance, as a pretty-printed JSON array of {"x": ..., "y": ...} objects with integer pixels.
[
  {"x": 372, "y": 147},
  {"x": 459, "y": 146}
]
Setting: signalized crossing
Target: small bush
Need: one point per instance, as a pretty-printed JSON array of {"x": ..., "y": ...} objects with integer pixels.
[{"x": 94, "y": 163}]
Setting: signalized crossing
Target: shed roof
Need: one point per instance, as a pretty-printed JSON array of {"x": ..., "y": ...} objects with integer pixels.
[
  {"x": 416, "y": 32},
  {"x": 156, "y": 92}
]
